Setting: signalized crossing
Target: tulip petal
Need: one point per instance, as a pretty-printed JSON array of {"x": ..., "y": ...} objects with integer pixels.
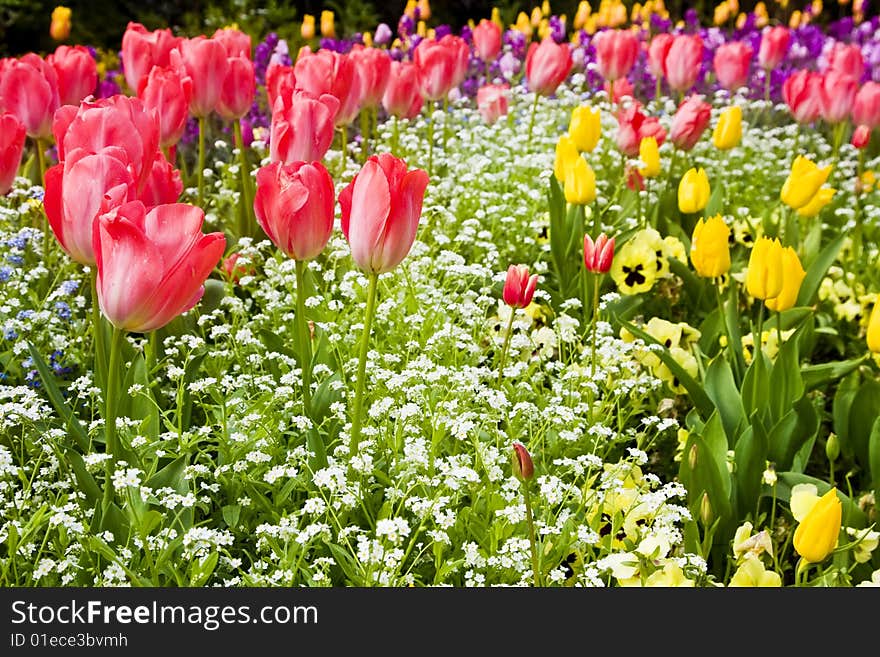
[
  {"x": 174, "y": 228},
  {"x": 371, "y": 205},
  {"x": 403, "y": 221}
]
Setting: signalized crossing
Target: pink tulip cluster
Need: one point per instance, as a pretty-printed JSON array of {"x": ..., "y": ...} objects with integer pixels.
[
  {"x": 633, "y": 125},
  {"x": 676, "y": 59}
]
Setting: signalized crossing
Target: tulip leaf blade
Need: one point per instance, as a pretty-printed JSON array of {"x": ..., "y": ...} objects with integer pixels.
[
  {"x": 874, "y": 457},
  {"x": 57, "y": 400},
  {"x": 721, "y": 389},
  {"x": 750, "y": 455},
  {"x": 817, "y": 270},
  {"x": 862, "y": 415}
]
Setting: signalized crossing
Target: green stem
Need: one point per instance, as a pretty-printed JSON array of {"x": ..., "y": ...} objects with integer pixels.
[
  {"x": 201, "y": 171},
  {"x": 532, "y": 119},
  {"x": 721, "y": 313},
  {"x": 657, "y": 89},
  {"x": 857, "y": 234},
  {"x": 365, "y": 133},
  {"x": 100, "y": 363},
  {"x": 593, "y": 322},
  {"x": 344, "y": 148},
  {"x": 247, "y": 198},
  {"x": 445, "y": 121},
  {"x": 430, "y": 108},
  {"x": 41, "y": 158},
  {"x": 839, "y": 131},
  {"x": 506, "y": 347},
  {"x": 111, "y": 399},
  {"x": 767, "y": 78},
  {"x": 536, "y": 570},
  {"x": 779, "y": 329},
  {"x": 758, "y": 348},
  {"x": 305, "y": 341},
  {"x": 362, "y": 364},
  {"x": 395, "y": 135}
]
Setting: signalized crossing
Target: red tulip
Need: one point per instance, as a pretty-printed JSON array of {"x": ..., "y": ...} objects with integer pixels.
[
  {"x": 328, "y": 72},
  {"x": 616, "y": 52},
  {"x": 236, "y": 42},
  {"x": 682, "y": 63},
  {"x": 12, "y": 136},
  {"x": 402, "y": 97},
  {"x": 731, "y": 64},
  {"x": 302, "y": 127},
  {"x": 163, "y": 185},
  {"x": 77, "y": 73},
  {"x": 492, "y": 102},
  {"x": 802, "y": 93},
  {"x": 29, "y": 89},
  {"x": 861, "y": 136},
  {"x": 523, "y": 466},
  {"x": 837, "y": 93},
  {"x": 80, "y": 188},
  {"x": 487, "y": 40},
  {"x": 239, "y": 89},
  {"x": 152, "y": 266},
  {"x": 381, "y": 208},
  {"x": 657, "y": 52},
  {"x": 622, "y": 89},
  {"x": 774, "y": 46},
  {"x": 634, "y": 180},
  {"x": 519, "y": 287},
  {"x": 846, "y": 58},
  {"x": 168, "y": 92},
  {"x": 235, "y": 270},
  {"x": 374, "y": 69},
  {"x": 441, "y": 64},
  {"x": 689, "y": 122},
  {"x": 143, "y": 49},
  {"x": 547, "y": 65},
  {"x": 866, "y": 107},
  {"x": 294, "y": 205},
  {"x": 598, "y": 255},
  {"x": 633, "y": 126},
  {"x": 280, "y": 81},
  {"x": 206, "y": 64}
]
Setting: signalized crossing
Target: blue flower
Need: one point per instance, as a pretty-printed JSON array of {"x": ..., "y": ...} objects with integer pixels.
[
  {"x": 5, "y": 274},
  {"x": 62, "y": 309}
]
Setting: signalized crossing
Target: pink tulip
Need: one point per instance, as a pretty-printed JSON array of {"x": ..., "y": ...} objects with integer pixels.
[
  {"x": 206, "y": 64},
  {"x": 519, "y": 287},
  {"x": 487, "y": 40},
  {"x": 80, "y": 188},
  {"x": 239, "y": 89},
  {"x": 381, "y": 208},
  {"x": 167, "y": 92},
  {"x": 774, "y": 46},
  {"x": 164, "y": 184},
  {"x": 599, "y": 255},
  {"x": 802, "y": 93},
  {"x": 682, "y": 63},
  {"x": 731, "y": 64},
  {"x": 294, "y": 205},
  {"x": 633, "y": 126},
  {"x": 12, "y": 137},
  {"x": 29, "y": 89},
  {"x": 442, "y": 65},
  {"x": 492, "y": 102},
  {"x": 861, "y": 136},
  {"x": 866, "y": 107},
  {"x": 846, "y": 58},
  {"x": 152, "y": 265},
  {"x": 236, "y": 42},
  {"x": 280, "y": 81},
  {"x": 547, "y": 65},
  {"x": 302, "y": 127},
  {"x": 402, "y": 97},
  {"x": 689, "y": 122},
  {"x": 143, "y": 49},
  {"x": 616, "y": 52},
  {"x": 657, "y": 52},
  {"x": 77, "y": 73},
  {"x": 374, "y": 69},
  {"x": 329, "y": 72},
  {"x": 837, "y": 94},
  {"x": 622, "y": 89},
  {"x": 523, "y": 466}
]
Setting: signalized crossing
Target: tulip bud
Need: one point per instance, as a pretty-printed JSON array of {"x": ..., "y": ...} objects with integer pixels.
[
  {"x": 649, "y": 154},
  {"x": 832, "y": 447},
  {"x": 585, "y": 128},
  {"x": 328, "y": 29},
  {"x": 693, "y": 191},
  {"x": 307, "y": 29},
  {"x": 803, "y": 182},
  {"x": 873, "y": 336},
  {"x": 792, "y": 276},
  {"x": 707, "y": 515},
  {"x": 765, "y": 270},
  {"x": 598, "y": 255},
  {"x": 521, "y": 462},
  {"x": 693, "y": 454},
  {"x": 710, "y": 251},
  {"x": 861, "y": 136},
  {"x": 728, "y": 132},
  {"x": 816, "y": 536},
  {"x": 519, "y": 287},
  {"x": 59, "y": 29},
  {"x": 580, "y": 182}
]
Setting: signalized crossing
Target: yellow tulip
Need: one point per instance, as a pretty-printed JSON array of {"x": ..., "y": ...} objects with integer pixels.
[
  {"x": 566, "y": 153},
  {"x": 585, "y": 128},
  {"x": 693, "y": 191},
  {"x": 765, "y": 271},
  {"x": 522, "y": 24},
  {"x": 792, "y": 276},
  {"x": 424, "y": 9},
  {"x": 307, "y": 29},
  {"x": 710, "y": 251},
  {"x": 328, "y": 27},
  {"x": 728, "y": 131},
  {"x": 820, "y": 200},
  {"x": 60, "y": 26},
  {"x": 422, "y": 29},
  {"x": 649, "y": 154},
  {"x": 816, "y": 536},
  {"x": 874, "y": 328},
  {"x": 580, "y": 182},
  {"x": 536, "y": 17},
  {"x": 583, "y": 11},
  {"x": 803, "y": 182}
]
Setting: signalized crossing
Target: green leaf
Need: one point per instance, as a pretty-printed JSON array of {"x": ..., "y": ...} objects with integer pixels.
[
  {"x": 815, "y": 376},
  {"x": 756, "y": 385},
  {"x": 874, "y": 456},
  {"x": 57, "y": 399},
  {"x": 818, "y": 269},
  {"x": 704, "y": 468},
  {"x": 722, "y": 390},
  {"x": 863, "y": 412},
  {"x": 843, "y": 397},
  {"x": 750, "y": 456},
  {"x": 231, "y": 513},
  {"x": 853, "y": 516},
  {"x": 786, "y": 384},
  {"x": 795, "y": 429},
  {"x": 201, "y": 568}
]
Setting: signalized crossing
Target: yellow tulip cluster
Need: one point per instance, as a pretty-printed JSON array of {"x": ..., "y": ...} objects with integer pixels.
[
  {"x": 774, "y": 274},
  {"x": 803, "y": 191},
  {"x": 570, "y": 168}
]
